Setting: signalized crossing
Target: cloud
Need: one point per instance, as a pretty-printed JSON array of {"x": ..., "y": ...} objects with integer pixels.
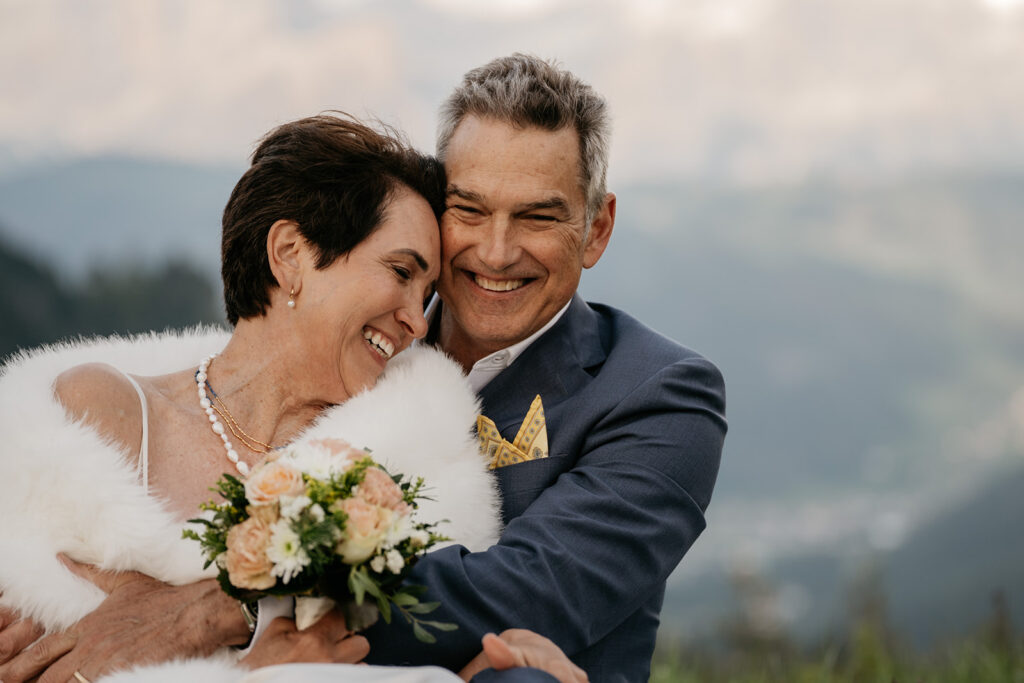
[{"x": 754, "y": 91}]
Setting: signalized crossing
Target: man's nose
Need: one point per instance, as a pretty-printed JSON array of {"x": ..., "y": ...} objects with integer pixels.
[{"x": 498, "y": 248}]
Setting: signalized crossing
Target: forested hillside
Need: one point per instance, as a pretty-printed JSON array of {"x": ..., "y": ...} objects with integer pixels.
[{"x": 38, "y": 307}]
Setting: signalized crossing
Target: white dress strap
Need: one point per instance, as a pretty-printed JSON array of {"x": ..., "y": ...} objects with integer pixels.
[{"x": 144, "y": 450}]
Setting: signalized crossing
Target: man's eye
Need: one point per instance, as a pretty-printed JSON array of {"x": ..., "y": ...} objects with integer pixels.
[
  {"x": 540, "y": 218},
  {"x": 464, "y": 209}
]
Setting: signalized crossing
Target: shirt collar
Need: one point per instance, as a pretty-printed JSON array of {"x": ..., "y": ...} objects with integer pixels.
[{"x": 488, "y": 367}]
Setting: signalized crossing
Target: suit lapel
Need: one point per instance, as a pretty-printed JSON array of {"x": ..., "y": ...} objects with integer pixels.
[{"x": 554, "y": 366}]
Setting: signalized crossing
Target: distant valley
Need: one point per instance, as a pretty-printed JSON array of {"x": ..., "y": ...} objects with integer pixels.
[{"x": 872, "y": 340}]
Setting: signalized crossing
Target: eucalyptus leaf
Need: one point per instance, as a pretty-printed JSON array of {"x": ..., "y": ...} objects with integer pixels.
[
  {"x": 422, "y": 634},
  {"x": 423, "y": 607},
  {"x": 441, "y": 625},
  {"x": 404, "y": 599}
]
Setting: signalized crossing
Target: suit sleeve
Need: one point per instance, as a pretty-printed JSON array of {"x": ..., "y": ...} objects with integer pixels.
[{"x": 594, "y": 545}]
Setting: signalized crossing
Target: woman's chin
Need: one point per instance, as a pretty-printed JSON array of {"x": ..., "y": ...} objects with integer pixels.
[{"x": 367, "y": 381}]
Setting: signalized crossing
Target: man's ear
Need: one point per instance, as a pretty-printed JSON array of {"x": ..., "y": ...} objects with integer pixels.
[
  {"x": 600, "y": 232},
  {"x": 286, "y": 251}
]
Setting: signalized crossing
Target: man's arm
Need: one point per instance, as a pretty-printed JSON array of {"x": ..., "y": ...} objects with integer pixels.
[
  {"x": 594, "y": 546},
  {"x": 142, "y": 621}
]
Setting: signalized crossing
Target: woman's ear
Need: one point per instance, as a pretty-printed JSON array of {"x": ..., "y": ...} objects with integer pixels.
[{"x": 286, "y": 250}]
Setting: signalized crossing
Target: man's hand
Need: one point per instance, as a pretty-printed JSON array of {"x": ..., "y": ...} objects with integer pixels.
[
  {"x": 15, "y": 635},
  {"x": 519, "y": 647},
  {"x": 142, "y": 621},
  {"x": 328, "y": 640}
]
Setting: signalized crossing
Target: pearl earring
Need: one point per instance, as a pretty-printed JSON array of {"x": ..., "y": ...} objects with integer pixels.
[{"x": 291, "y": 298}]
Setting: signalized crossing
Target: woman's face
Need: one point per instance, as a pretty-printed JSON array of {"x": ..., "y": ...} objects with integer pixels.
[{"x": 368, "y": 305}]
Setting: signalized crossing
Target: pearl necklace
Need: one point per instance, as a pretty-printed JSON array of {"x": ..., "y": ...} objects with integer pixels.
[{"x": 218, "y": 428}]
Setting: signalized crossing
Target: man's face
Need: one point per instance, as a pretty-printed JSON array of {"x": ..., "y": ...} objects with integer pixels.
[{"x": 512, "y": 236}]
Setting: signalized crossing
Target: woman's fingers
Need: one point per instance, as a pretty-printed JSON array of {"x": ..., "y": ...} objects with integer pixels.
[
  {"x": 351, "y": 650},
  {"x": 328, "y": 640}
]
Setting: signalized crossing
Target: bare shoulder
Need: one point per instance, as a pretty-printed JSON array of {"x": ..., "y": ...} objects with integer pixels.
[{"x": 101, "y": 395}]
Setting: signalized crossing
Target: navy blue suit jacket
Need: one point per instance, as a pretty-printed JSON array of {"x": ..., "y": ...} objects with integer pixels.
[{"x": 635, "y": 427}]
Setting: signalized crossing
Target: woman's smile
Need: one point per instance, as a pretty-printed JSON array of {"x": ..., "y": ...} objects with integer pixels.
[{"x": 379, "y": 342}]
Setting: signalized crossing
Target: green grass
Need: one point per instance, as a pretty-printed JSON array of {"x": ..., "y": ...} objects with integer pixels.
[
  {"x": 868, "y": 653},
  {"x": 867, "y": 660}
]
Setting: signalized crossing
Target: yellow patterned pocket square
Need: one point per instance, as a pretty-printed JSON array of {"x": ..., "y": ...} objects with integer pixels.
[{"x": 530, "y": 443}]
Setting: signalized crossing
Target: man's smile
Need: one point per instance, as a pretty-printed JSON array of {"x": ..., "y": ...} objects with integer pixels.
[{"x": 495, "y": 285}]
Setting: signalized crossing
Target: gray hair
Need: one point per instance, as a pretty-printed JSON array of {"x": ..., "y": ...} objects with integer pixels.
[{"x": 524, "y": 91}]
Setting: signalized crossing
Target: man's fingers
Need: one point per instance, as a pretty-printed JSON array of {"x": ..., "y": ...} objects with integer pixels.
[
  {"x": 532, "y": 649},
  {"x": 63, "y": 670},
  {"x": 34, "y": 660},
  {"x": 104, "y": 579},
  {"x": 500, "y": 654},
  {"x": 7, "y": 616},
  {"x": 16, "y": 637}
]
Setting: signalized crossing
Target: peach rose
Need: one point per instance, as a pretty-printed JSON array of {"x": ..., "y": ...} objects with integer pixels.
[
  {"x": 365, "y": 529},
  {"x": 340, "y": 448},
  {"x": 246, "y": 558},
  {"x": 271, "y": 480},
  {"x": 377, "y": 488}
]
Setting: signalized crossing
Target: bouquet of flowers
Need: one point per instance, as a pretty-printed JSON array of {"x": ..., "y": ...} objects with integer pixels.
[{"x": 324, "y": 522}]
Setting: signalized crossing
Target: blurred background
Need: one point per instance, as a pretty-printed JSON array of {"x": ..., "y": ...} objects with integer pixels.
[{"x": 824, "y": 197}]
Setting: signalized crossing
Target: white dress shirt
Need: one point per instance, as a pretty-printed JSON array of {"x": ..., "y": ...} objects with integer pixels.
[{"x": 488, "y": 367}]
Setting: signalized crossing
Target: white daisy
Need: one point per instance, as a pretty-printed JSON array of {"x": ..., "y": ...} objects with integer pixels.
[{"x": 286, "y": 551}]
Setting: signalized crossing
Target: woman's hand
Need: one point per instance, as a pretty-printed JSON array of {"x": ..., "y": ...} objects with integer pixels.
[
  {"x": 328, "y": 640},
  {"x": 519, "y": 647}
]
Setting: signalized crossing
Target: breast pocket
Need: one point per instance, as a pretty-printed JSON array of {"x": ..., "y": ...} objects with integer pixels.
[{"x": 522, "y": 483}]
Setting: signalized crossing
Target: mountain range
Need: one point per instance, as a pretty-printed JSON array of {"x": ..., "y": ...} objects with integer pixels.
[{"x": 871, "y": 337}]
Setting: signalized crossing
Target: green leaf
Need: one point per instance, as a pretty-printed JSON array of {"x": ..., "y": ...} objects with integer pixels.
[
  {"x": 372, "y": 588},
  {"x": 414, "y": 590},
  {"x": 356, "y": 585},
  {"x": 404, "y": 599},
  {"x": 441, "y": 625},
  {"x": 384, "y": 605},
  {"x": 423, "y": 607},
  {"x": 422, "y": 634}
]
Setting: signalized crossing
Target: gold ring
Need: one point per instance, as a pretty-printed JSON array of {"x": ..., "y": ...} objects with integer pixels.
[{"x": 80, "y": 678}]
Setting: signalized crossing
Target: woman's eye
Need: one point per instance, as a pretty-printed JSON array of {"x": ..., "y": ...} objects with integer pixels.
[{"x": 403, "y": 273}]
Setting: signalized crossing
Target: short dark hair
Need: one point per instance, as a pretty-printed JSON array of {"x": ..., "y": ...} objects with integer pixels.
[
  {"x": 523, "y": 90},
  {"x": 334, "y": 177}
]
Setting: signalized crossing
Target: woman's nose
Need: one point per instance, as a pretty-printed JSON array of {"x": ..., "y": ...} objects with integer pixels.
[{"x": 412, "y": 320}]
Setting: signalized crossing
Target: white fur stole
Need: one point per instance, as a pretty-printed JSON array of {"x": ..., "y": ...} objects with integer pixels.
[{"x": 65, "y": 489}]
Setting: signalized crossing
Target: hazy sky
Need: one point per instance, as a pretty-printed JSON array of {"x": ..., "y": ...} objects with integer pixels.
[
  {"x": 756, "y": 91},
  {"x": 750, "y": 91}
]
